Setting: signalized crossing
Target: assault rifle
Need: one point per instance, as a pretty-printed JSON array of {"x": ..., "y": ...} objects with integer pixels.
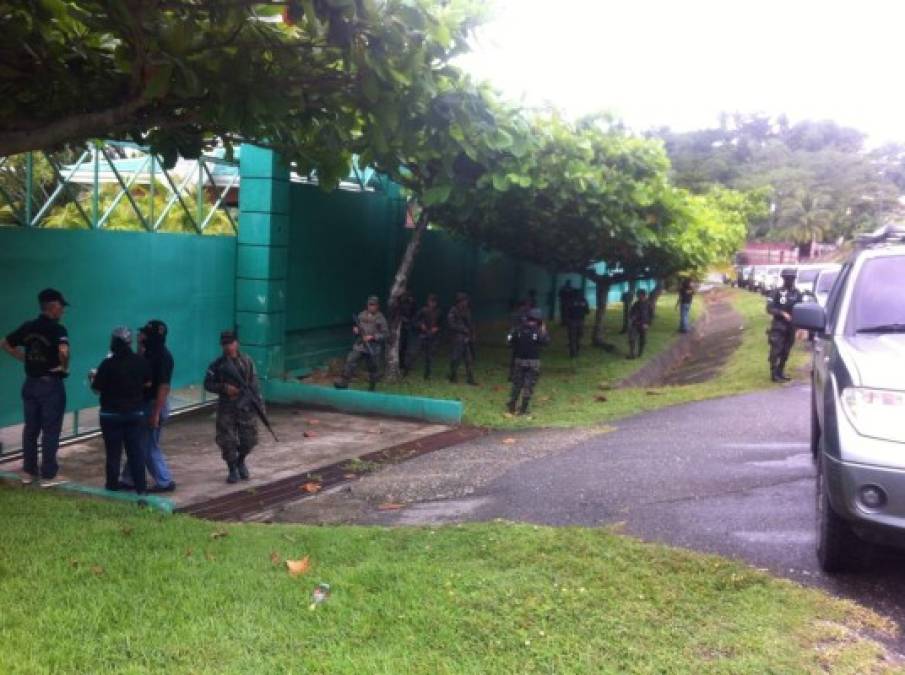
[
  {"x": 369, "y": 344},
  {"x": 248, "y": 397}
]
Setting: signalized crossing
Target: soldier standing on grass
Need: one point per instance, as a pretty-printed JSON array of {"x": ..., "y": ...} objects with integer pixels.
[
  {"x": 371, "y": 330},
  {"x": 781, "y": 333},
  {"x": 237, "y": 421},
  {"x": 427, "y": 323},
  {"x": 407, "y": 310},
  {"x": 461, "y": 329},
  {"x": 526, "y": 342},
  {"x": 639, "y": 321},
  {"x": 576, "y": 309}
]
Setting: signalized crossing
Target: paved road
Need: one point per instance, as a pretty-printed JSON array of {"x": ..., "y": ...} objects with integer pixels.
[{"x": 730, "y": 476}]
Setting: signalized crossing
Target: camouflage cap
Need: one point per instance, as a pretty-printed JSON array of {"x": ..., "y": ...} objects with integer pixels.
[{"x": 373, "y": 300}]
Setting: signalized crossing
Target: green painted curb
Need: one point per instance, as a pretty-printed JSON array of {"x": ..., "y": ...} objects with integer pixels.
[
  {"x": 161, "y": 504},
  {"x": 441, "y": 411}
]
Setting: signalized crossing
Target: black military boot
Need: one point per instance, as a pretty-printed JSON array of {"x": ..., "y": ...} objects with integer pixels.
[
  {"x": 524, "y": 409},
  {"x": 511, "y": 406},
  {"x": 233, "y": 476},
  {"x": 242, "y": 468}
]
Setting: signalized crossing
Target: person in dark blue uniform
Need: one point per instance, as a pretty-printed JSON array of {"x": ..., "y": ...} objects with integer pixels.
[
  {"x": 781, "y": 334},
  {"x": 43, "y": 345}
]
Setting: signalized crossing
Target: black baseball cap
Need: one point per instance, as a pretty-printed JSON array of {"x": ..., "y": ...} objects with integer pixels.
[
  {"x": 228, "y": 337},
  {"x": 52, "y": 295}
]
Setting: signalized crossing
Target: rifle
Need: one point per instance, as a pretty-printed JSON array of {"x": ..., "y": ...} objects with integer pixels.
[
  {"x": 248, "y": 395},
  {"x": 369, "y": 344}
]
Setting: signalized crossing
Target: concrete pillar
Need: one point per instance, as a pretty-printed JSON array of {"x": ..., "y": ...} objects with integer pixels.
[{"x": 262, "y": 258}]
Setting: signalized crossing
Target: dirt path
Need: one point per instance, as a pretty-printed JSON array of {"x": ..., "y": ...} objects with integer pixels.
[{"x": 711, "y": 345}]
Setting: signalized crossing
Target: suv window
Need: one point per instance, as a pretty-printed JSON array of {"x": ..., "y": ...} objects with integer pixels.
[
  {"x": 835, "y": 300},
  {"x": 826, "y": 281},
  {"x": 808, "y": 275},
  {"x": 878, "y": 304}
]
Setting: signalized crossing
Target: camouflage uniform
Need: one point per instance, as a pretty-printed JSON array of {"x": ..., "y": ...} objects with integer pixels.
[
  {"x": 427, "y": 322},
  {"x": 461, "y": 330},
  {"x": 526, "y": 342},
  {"x": 575, "y": 310},
  {"x": 368, "y": 325},
  {"x": 640, "y": 317},
  {"x": 781, "y": 334},
  {"x": 237, "y": 422}
]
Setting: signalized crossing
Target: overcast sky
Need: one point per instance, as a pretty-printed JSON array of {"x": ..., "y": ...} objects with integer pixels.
[{"x": 680, "y": 62}]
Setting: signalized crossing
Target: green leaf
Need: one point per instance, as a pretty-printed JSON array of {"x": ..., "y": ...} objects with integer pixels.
[{"x": 436, "y": 195}]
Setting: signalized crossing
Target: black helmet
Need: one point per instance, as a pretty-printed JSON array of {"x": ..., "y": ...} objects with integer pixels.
[{"x": 789, "y": 272}]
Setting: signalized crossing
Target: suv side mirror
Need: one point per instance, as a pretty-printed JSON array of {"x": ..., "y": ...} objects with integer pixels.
[{"x": 810, "y": 316}]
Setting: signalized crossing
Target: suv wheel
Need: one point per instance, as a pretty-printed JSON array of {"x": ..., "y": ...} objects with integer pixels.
[{"x": 838, "y": 548}]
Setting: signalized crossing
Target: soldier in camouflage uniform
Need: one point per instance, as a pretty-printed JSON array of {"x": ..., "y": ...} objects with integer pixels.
[
  {"x": 526, "y": 342},
  {"x": 371, "y": 330},
  {"x": 427, "y": 323},
  {"x": 781, "y": 334},
  {"x": 462, "y": 334},
  {"x": 237, "y": 422}
]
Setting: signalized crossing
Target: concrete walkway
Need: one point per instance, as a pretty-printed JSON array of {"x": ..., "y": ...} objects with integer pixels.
[{"x": 309, "y": 439}]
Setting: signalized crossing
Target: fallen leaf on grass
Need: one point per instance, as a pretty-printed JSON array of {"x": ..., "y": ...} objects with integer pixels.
[
  {"x": 508, "y": 441},
  {"x": 127, "y": 531},
  {"x": 390, "y": 506},
  {"x": 602, "y": 399},
  {"x": 498, "y": 387},
  {"x": 603, "y": 386},
  {"x": 298, "y": 567},
  {"x": 209, "y": 556},
  {"x": 508, "y": 415},
  {"x": 309, "y": 434},
  {"x": 97, "y": 570},
  {"x": 74, "y": 563},
  {"x": 219, "y": 534},
  {"x": 189, "y": 552},
  {"x": 544, "y": 399},
  {"x": 654, "y": 393},
  {"x": 310, "y": 487},
  {"x": 275, "y": 558}
]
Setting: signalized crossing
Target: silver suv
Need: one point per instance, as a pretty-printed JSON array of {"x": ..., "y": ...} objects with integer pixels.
[{"x": 858, "y": 403}]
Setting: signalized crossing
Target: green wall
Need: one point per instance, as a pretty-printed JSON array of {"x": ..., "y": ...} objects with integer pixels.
[
  {"x": 114, "y": 278},
  {"x": 346, "y": 245}
]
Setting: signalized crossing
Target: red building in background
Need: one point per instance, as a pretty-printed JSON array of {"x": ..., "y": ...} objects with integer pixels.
[{"x": 767, "y": 253}]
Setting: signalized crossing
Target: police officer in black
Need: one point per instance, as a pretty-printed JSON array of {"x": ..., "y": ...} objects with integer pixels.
[
  {"x": 526, "y": 342},
  {"x": 122, "y": 379},
  {"x": 781, "y": 334},
  {"x": 43, "y": 345}
]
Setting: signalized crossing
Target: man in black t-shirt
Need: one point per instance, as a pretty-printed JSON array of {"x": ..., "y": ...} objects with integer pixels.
[
  {"x": 43, "y": 346},
  {"x": 683, "y": 304},
  {"x": 152, "y": 339}
]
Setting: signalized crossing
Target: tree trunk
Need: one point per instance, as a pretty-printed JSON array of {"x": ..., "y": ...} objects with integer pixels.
[{"x": 400, "y": 285}]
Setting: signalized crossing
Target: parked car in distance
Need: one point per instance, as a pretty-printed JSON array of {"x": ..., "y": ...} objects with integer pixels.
[
  {"x": 858, "y": 403},
  {"x": 823, "y": 284},
  {"x": 772, "y": 279}
]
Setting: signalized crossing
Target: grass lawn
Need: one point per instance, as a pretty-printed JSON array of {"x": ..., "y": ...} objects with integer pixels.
[
  {"x": 96, "y": 587},
  {"x": 569, "y": 392}
]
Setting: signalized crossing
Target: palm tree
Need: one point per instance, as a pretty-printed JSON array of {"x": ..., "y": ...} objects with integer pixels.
[{"x": 805, "y": 217}]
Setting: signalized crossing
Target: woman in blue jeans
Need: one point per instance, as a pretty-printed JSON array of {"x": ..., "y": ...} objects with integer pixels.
[{"x": 121, "y": 380}]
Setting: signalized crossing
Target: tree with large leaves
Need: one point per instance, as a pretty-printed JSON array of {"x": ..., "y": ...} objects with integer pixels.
[{"x": 176, "y": 74}]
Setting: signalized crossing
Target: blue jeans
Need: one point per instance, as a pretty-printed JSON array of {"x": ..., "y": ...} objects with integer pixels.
[
  {"x": 44, "y": 400},
  {"x": 152, "y": 454},
  {"x": 684, "y": 311},
  {"x": 123, "y": 429}
]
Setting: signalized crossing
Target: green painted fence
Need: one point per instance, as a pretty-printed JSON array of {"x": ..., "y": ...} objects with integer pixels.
[{"x": 114, "y": 278}]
